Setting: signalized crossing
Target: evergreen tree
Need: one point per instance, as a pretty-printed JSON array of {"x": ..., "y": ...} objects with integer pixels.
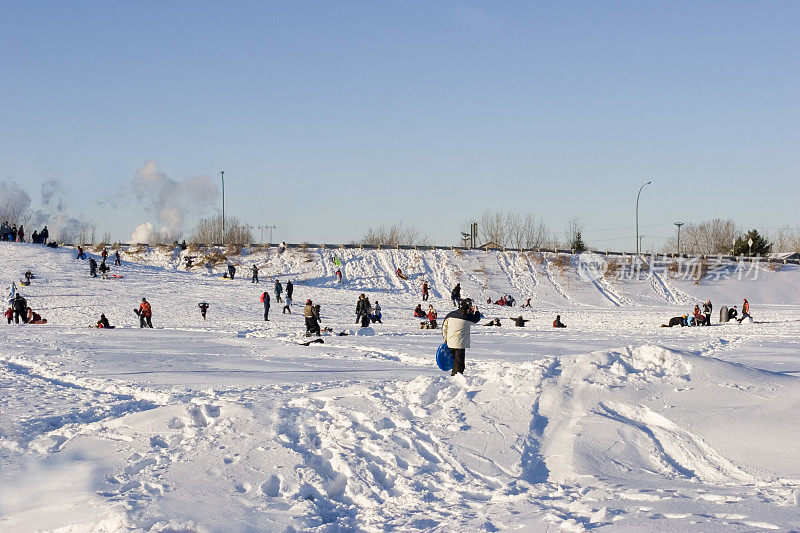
[
  {"x": 760, "y": 245},
  {"x": 577, "y": 243}
]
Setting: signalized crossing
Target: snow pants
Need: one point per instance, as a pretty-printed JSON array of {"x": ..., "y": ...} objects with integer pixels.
[
  {"x": 266, "y": 312},
  {"x": 459, "y": 354},
  {"x": 145, "y": 321}
]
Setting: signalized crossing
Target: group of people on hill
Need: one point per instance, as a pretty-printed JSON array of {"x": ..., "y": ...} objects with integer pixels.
[
  {"x": 428, "y": 317},
  {"x": 10, "y": 233},
  {"x": 703, "y": 317},
  {"x": 505, "y": 300},
  {"x": 19, "y": 310}
]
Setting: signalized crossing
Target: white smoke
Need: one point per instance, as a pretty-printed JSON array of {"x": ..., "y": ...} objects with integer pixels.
[
  {"x": 171, "y": 201},
  {"x": 14, "y": 202},
  {"x": 60, "y": 225}
]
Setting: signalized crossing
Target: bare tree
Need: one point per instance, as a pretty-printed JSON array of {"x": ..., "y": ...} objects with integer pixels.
[
  {"x": 710, "y": 237},
  {"x": 511, "y": 230},
  {"x": 394, "y": 235},
  {"x": 209, "y": 231},
  {"x": 786, "y": 239}
]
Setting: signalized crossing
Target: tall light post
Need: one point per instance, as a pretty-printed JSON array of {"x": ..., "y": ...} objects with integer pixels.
[
  {"x": 637, "y": 214},
  {"x": 679, "y": 224},
  {"x": 222, "y": 175}
]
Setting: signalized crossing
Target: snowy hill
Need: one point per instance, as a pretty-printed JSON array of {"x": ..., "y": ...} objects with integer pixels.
[{"x": 230, "y": 425}]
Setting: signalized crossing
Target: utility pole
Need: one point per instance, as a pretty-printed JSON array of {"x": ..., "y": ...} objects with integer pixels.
[
  {"x": 266, "y": 227},
  {"x": 222, "y": 174},
  {"x": 638, "y": 247},
  {"x": 679, "y": 224}
]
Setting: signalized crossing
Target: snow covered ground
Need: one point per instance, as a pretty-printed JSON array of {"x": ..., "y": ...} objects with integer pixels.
[{"x": 613, "y": 424}]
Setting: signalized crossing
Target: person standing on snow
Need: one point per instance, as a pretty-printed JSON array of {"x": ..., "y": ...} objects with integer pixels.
[
  {"x": 424, "y": 291},
  {"x": 255, "y": 274},
  {"x": 104, "y": 269},
  {"x": 145, "y": 313},
  {"x": 231, "y": 271},
  {"x": 203, "y": 309},
  {"x": 265, "y": 301},
  {"x": 289, "y": 289},
  {"x": 81, "y": 255},
  {"x": 92, "y": 267},
  {"x": 745, "y": 311},
  {"x": 20, "y": 309},
  {"x": 455, "y": 295},
  {"x": 44, "y": 235},
  {"x": 456, "y": 329},
  {"x": 278, "y": 290},
  {"x": 311, "y": 315},
  {"x": 117, "y": 260},
  {"x": 288, "y": 306},
  {"x": 21, "y": 235}
]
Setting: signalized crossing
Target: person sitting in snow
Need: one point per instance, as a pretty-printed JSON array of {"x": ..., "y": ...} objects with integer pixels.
[
  {"x": 103, "y": 323},
  {"x": 732, "y": 313},
  {"x": 28, "y": 276},
  {"x": 493, "y": 322},
  {"x": 33, "y": 317},
  {"x": 418, "y": 312},
  {"x": 519, "y": 321},
  {"x": 557, "y": 322}
]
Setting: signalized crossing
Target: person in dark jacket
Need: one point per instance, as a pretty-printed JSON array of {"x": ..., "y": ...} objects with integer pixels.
[
  {"x": 265, "y": 301},
  {"x": 363, "y": 309},
  {"x": 455, "y": 330},
  {"x": 311, "y": 315},
  {"x": 278, "y": 291},
  {"x": 21, "y": 235},
  {"x": 418, "y": 312},
  {"x": 455, "y": 295},
  {"x": 732, "y": 313},
  {"x": 425, "y": 292},
  {"x": 707, "y": 308},
  {"x": 117, "y": 259},
  {"x": 203, "y": 309},
  {"x": 557, "y": 322},
  {"x": 103, "y": 323},
  {"x": 289, "y": 289},
  {"x": 20, "y": 309},
  {"x": 44, "y": 235},
  {"x": 675, "y": 321},
  {"x": 92, "y": 267},
  {"x": 231, "y": 271},
  {"x": 519, "y": 321},
  {"x": 104, "y": 270},
  {"x": 255, "y": 274}
]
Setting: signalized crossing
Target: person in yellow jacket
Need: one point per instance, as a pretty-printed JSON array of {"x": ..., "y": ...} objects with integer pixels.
[{"x": 455, "y": 330}]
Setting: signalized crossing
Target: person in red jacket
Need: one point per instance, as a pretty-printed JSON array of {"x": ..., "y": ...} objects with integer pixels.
[
  {"x": 745, "y": 311},
  {"x": 425, "y": 291},
  {"x": 557, "y": 322},
  {"x": 145, "y": 312}
]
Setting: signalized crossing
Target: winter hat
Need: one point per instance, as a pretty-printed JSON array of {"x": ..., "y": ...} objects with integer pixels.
[{"x": 308, "y": 302}]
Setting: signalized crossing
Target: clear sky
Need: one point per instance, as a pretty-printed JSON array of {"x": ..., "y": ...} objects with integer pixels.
[{"x": 331, "y": 117}]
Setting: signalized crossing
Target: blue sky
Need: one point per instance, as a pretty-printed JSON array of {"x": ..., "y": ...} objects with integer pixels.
[{"x": 331, "y": 117}]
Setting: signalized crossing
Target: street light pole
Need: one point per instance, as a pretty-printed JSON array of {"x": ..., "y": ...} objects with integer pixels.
[
  {"x": 637, "y": 214},
  {"x": 679, "y": 224},
  {"x": 222, "y": 174}
]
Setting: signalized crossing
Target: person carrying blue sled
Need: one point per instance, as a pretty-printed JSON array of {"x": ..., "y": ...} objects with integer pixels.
[{"x": 456, "y": 329}]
